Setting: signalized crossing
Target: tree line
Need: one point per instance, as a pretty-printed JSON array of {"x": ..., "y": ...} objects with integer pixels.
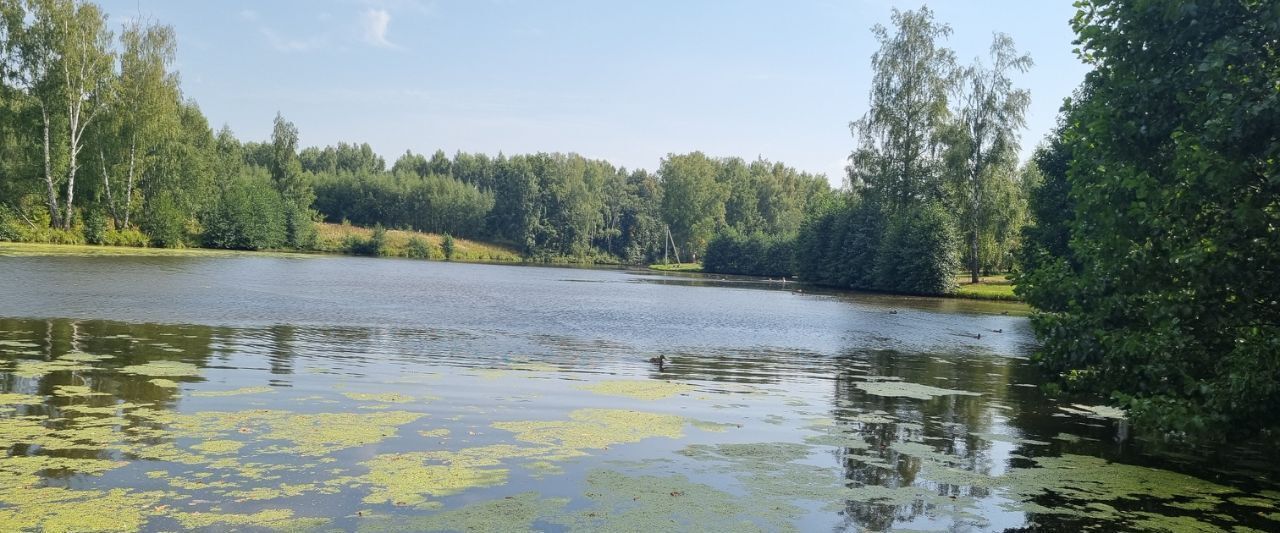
[
  {"x": 99, "y": 145},
  {"x": 934, "y": 183}
]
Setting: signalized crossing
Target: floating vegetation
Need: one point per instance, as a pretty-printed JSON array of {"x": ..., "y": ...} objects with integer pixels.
[
  {"x": 384, "y": 397},
  {"x": 73, "y": 391},
  {"x": 232, "y": 392},
  {"x": 83, "y": 357},
  {"x": 1001, "y": 437},
  {"x": 1095, "y": 411},
  {"x": 279, "y": 519},
  {"x": 413, "y": 478},
  {"x": 624, "y": 503},
  {"x": 596, "y": 428},
  {"x": 1078, "y": 481},
  {"x": 638, "y": 389},
  {"x": 165, "y": 383},
  {"x": 163, "y": 369},
  {"x": 14, "y": 398},
  {"x": 311, "y": 434},
  {"x": 714, "y": 427},
  {"x": 902, "y": 389},
  {"x": 56, "y": 509},
  {"x": 512, "y": 513},
  {"x": 434, "y": 433},
  {"x": 36, "y": 369},
  {"x": 218, "y": 447}
]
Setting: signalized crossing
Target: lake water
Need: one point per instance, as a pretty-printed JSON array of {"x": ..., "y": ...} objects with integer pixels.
[{"x": 329, "y": 393}]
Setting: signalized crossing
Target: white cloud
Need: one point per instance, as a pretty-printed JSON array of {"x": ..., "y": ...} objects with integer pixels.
[{"x": 375, "y": 23}]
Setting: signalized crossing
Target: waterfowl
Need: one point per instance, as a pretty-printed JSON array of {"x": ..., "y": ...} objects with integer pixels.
[
  {"x": 658, "y": 360},
  {"x": 893, "y": 311}
]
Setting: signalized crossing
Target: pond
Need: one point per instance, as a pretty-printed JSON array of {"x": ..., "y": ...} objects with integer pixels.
[{"x": 329, "y": 393}]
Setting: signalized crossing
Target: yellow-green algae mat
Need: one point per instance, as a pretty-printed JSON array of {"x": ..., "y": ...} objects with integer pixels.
[{"x": 193, "y": 466}]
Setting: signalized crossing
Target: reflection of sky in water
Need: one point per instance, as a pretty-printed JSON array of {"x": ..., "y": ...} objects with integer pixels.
[{"x": 473, "y": 346}]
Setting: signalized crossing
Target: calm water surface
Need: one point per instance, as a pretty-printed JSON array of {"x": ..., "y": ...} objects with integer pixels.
[{"x": 326, "y": 393}]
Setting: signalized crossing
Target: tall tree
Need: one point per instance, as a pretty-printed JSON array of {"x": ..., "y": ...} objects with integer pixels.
[
  {"x": 145, "y": 114},
  {"x": 898, "y": 157},
  {"x": 693, "y": 201},
  {"x": 983, "y": 139},
  {"x": 1169, "y": 294}
]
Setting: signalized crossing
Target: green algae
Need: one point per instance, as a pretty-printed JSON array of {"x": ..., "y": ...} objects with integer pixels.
[
  {"x": 82, "y": 357},
  {"x": 310, "y": 434},
  {"x": 713, "y": 427},
  {"x": 163, "y": 369},
  {"x": 648, "y": 390},
  {"x": 1001, "y": 437},
  {"x": 73, "y": 391},
  {"x": 266, "y": 518},
  {"x": 231, "y": 392},
  {"x": 901, "y": 389},
  {"x": 513, "y": 513},
  {"x": 219, "y": 447},
  {"x": 596, "y": 428},
  {"x": 164, "y": 383},
  {"x": 13, "y": 398},
  {"x": 384, "y": 397},
  {"x": 53, "y": 509},
  {"x": 415, "y": 477},
  {"x": 37, "y": 369},
  {"x": 434, "y": 433},
  {"x": 1095, "y": 411},
  {"x": 622, "y": 503},
  {"x": 1253, "y": 501}
]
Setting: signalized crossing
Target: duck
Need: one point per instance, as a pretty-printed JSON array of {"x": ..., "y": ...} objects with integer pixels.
[
  {"x": 893, "y": 311},
  {"x": 659, "y": 360}
]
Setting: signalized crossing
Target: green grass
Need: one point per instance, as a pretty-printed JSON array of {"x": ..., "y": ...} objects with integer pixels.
[
  {"x": 330, "y": 238},
  {"x": 677, "y": 267},
  {"x": 987, "y": 288}
]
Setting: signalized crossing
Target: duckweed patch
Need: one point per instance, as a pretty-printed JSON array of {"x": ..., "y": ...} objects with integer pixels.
[
  {"x": 639, "y": 389},
  {"x": 385, "y": 397},
  {"x": 163, "y": 369},
  {"x": 596, "y": 428},
  {"x": 232, "y": 392},
  {"x": 622, "y": 503},
  {"x": 902, "y": 389},
  {"x": 1095, "y": 411},
  {"x": 513, "y": 513}
]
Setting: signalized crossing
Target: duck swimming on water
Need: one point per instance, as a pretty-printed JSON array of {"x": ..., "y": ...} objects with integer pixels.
[{"x": 658, "y": 360}]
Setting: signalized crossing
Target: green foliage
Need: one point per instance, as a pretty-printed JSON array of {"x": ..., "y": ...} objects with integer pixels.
[
  {"x": 918, "y": 253},
  {"x": 448, "y": 246},
  {"x": 249, "y": 215},
  {"x": 756, "y": 254},
  {"x": 419, "y": 248},
  {"x": 1165, "y": 295}
]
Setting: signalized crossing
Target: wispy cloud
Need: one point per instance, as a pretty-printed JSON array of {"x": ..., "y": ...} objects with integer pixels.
[
  {"x": 374, "y": 23},
  {"x": 280, "y": 42}
]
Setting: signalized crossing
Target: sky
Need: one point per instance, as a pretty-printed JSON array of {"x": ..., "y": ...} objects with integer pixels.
[{"x": 629, "y": 82}]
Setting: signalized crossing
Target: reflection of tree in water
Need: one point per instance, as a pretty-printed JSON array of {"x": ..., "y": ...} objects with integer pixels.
[
  {"x": 127, "y": 344},
  {"x": 281, "y": 354},
  {"x": 945, "y": 423}
]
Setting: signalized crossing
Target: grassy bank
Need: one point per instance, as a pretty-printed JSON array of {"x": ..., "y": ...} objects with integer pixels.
[
  {"x": 337, "y": 238},
  {"x": 677, "y": 267},
  {"x": 987, "y": 288}
]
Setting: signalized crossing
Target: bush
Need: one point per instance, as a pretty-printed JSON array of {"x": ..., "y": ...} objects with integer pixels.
[
  {"x": 249, "y": 215},
  {"x": 448, "y": 246},
  {"x": 126, "y": 237},
  {"x": 918, "y": 253},
  {"x": 756, "y": 255},
  {"x": 418, "y": 248}
]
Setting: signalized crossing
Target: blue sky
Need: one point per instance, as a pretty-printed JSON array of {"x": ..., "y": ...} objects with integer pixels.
[{"x": 625, "y": 81}]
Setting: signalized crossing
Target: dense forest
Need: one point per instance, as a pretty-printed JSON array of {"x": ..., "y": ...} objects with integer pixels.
[{"x": 98, "y": 145}]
